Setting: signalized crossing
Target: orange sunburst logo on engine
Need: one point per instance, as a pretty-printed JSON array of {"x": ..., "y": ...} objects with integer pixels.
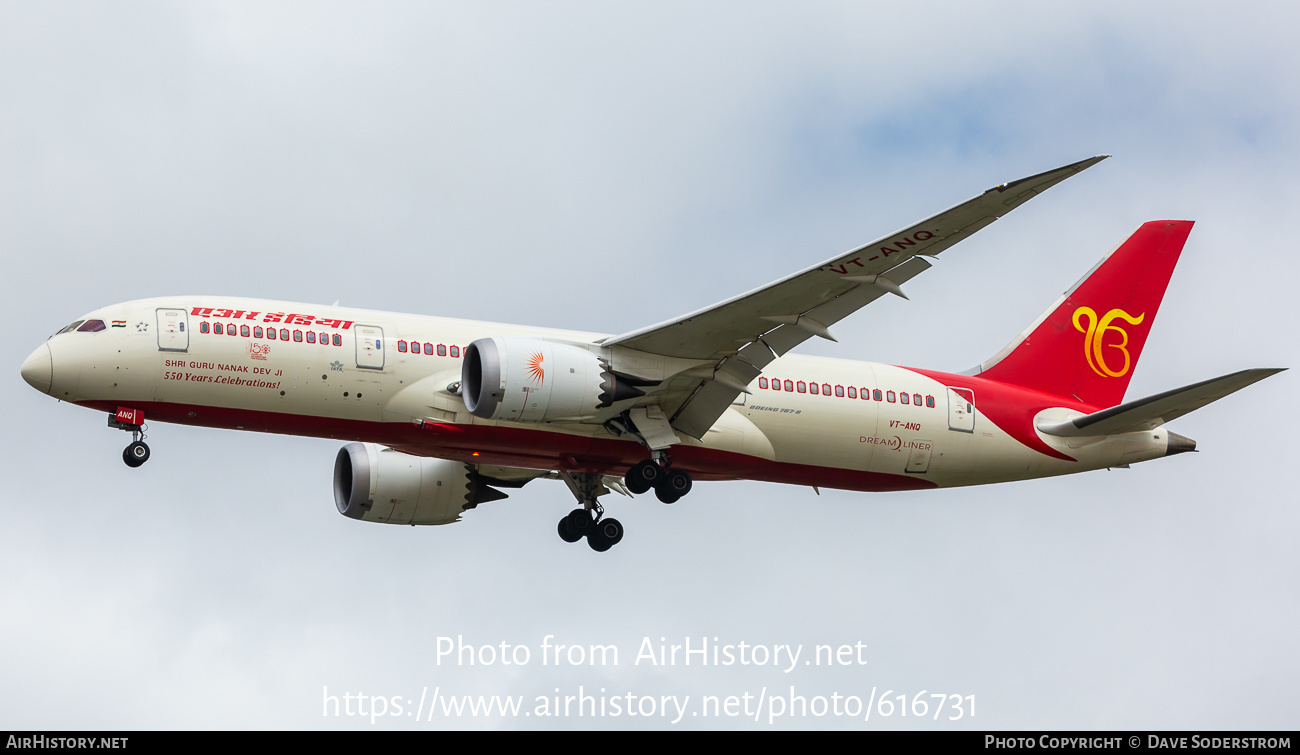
[
  {"x": 1095, "y": 330},
  {"x": 535, "y": 369}
]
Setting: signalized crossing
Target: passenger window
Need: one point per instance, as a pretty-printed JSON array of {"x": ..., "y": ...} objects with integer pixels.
[
  {"x": 876, "y": 394},
  {"x": 929, "y": 401},
  {"x": 839, "y": 391},
  {"x": 203, "y": 327},
  {"x": 216, "y": 328},
  {"x": 889, "y": 396},
  {"x": 338, "y": 340},
  {"x": 455, "y": 351},
  {"x": 257, "y": 331},
  {"x": 801, "y": 385},
  {"x": 297, "y": 336},
  {"x": 284, "y": 334},
  {"x": 853, "y": 392},
  {"x": 826, "y": 389},
  {"x": 789, "y": 385},
  {"x": 428, "y": 349},
  {"x": 311, "y": 337},
  {"x": 916, "y": 399},
  {"x": 904, "y": 399},
  {"x": 244, "y": 331},
  {"x": 762, "y": 382},
  {"x": 270, "y": 334},
  {"x": 442, "y": 350},
  {"x": 401, "y": 346}
]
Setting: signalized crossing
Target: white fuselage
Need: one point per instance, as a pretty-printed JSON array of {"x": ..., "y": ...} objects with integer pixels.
[{"x": 359, "y": 376}]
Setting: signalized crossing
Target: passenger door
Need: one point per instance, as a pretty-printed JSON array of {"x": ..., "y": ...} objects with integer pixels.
[
  {"x": 961, "y": 410},
  {"x": 173, "y": 330},
  {"x": 370, "y": 346}
]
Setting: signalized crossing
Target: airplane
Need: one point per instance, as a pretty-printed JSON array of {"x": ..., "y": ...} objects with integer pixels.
[{"x": 441, "y": 415}]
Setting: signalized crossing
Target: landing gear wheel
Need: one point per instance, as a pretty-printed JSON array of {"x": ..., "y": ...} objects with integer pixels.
[
  {"x": 135, "y": 454},
  {"x": 565, "y": 535},
  {"x": 642, "y": 476},
  {"x": 577, "y": 523},
  {"x": 611, "y": 529},
  {"x": 605, "y": 535},
  {"x": 674, "y": 484},
  {"x": 665, "y": 495}
]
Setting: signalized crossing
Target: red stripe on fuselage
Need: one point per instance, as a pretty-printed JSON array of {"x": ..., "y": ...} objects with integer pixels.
[
  {"x": 1010, "y": 407},
  {"x": 522, "y": 447}
]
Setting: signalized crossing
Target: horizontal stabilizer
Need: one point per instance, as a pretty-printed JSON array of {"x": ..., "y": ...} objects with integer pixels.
[{"x": 1153, "y": 411}]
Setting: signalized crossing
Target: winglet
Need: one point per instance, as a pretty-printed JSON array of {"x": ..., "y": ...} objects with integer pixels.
[{"x": 1065, "y": 172}]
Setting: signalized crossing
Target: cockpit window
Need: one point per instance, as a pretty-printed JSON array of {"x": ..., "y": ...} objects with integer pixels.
[
  {"x": 91, "y": 326},
  {"x": 71, "y": 327}
]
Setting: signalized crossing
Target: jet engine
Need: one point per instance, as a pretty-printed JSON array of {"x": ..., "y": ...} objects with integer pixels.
[
  {"x": 377, "y": 484},
  {"x": 531, "y": 380}
]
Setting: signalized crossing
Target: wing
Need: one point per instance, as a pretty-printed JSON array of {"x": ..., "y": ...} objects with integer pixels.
[{"x": 746, "y": 333}]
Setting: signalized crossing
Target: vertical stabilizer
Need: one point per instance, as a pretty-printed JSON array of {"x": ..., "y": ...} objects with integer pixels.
[{"x": 1088, "y": 343}]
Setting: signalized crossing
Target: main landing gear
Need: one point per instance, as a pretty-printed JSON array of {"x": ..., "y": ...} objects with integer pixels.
[
  {"x": 653, "y": 432},
  {"x": 669, "y": 484},
  {"x": 137, "y": 452},
  {"x": 589, "y": 521},
  {"x": 602, "y": 533}
]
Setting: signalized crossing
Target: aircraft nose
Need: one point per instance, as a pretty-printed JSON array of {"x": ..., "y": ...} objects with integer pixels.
[{"x": 38, "y": 370}]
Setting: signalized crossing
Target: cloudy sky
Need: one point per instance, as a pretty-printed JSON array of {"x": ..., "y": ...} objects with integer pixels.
[{"x": 603, "y": 166}]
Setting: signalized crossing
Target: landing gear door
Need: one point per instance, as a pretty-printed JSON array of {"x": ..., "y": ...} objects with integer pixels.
[
  {"x": 370, "y": 346},
  {"x": 173, "y": 330},
  {"x": 961, "y": 410}
]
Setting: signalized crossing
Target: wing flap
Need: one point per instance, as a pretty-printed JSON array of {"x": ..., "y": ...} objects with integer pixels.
[{"x": 703, "y": 407}]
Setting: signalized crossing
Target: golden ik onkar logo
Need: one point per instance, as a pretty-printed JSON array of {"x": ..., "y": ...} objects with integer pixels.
[{"x": 1095, "y": 335}]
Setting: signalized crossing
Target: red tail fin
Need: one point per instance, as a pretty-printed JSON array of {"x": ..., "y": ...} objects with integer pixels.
[{"x": 1088, "y": 343}]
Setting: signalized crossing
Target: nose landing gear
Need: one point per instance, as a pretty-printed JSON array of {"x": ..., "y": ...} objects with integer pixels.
[
  {"x": 132, "y": 421},
  {"x": 136, "y": 454}
]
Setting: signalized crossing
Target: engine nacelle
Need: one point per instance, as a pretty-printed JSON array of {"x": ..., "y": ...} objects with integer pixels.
[
  {"x": 531, "y": 380},
  {"x": 377, "y": 484}
]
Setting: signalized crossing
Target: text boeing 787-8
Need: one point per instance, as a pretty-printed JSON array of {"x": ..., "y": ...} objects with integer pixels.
[{"x": 445, "y": 413}]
